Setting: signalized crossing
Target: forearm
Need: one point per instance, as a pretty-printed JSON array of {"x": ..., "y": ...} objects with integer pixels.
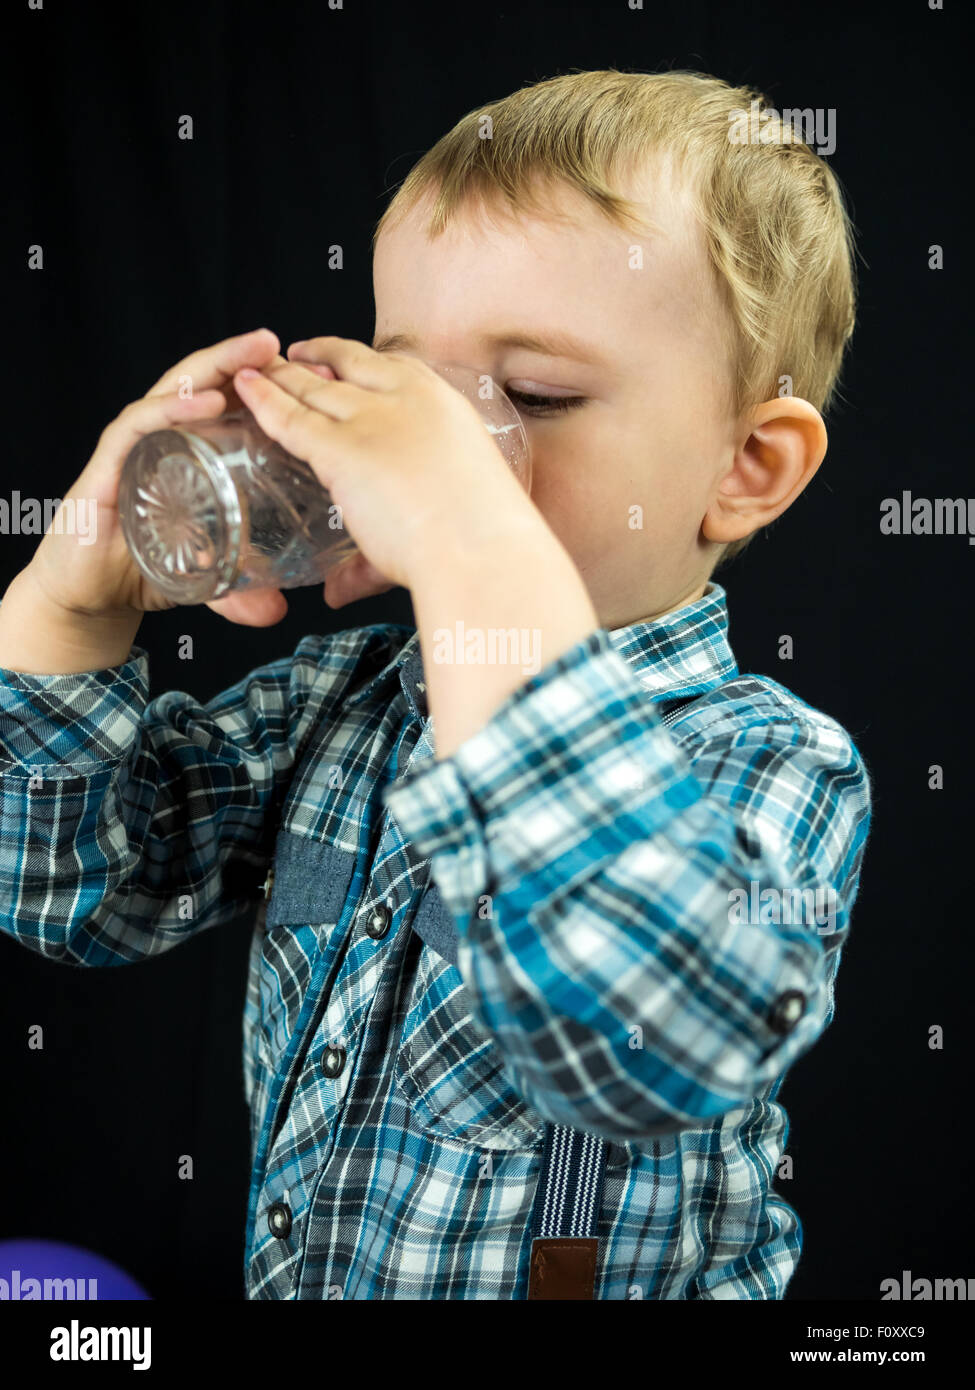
[
  {"x": 38, "y": 637},
  {"x": 489, "y": 618}
]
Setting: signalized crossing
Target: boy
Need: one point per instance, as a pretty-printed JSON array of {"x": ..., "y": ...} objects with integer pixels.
[{"x": 530, "y": 968}]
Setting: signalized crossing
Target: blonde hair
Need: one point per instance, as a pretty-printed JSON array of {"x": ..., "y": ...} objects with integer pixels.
[{"x": 776, "y": 229}]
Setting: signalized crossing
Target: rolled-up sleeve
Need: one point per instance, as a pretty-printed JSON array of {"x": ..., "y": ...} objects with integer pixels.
[{"x": 649, "y": 926}]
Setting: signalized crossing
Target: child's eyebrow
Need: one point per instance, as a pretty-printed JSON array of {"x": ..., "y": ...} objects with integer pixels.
[{"x": 555, "y": 343}]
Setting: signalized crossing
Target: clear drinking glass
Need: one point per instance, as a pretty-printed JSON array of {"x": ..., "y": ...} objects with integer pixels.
[{"x": 216, "y": 505}]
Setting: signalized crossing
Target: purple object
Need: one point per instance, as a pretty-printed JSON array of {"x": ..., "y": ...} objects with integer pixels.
[{"x": 46, "y": 1269}]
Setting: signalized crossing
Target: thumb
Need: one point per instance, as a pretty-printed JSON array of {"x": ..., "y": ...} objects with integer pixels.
[{"x": 251, "y": 607}]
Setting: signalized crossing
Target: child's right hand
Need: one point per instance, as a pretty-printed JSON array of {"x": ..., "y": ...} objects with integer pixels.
[{"x": 100, "y": 579}]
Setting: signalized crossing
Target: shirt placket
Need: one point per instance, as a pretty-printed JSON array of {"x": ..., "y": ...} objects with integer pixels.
[
  {"x": 382, "y": 903},
  {"x": 327, "y": 1064}
]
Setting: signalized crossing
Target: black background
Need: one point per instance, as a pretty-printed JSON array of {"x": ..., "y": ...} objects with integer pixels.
[{"x": 305, "y": 119}]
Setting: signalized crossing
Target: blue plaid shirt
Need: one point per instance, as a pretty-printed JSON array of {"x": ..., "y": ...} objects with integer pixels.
[{"x": 646, "y": 917}]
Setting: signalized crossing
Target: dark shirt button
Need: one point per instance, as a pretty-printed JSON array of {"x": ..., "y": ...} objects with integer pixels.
[
  {"x": 333, "y": 1060},
  {"x": 787, "y": 1011},
  {"x": 279, "y": 1219},
  {"x": 378, "y": 921}
]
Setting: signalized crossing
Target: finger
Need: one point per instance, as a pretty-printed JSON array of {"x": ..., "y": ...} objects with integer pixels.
[
  {"x": 251, "y": 607},
  {"x": 338, "y": 399},
  {"x": 321, "y": 369},
  {"x": 214, "y": 365},
  {"x": 301, "y": 429},
  {"x": 131, "y": 424},
  {"x": 352, "y": 361},
  {"x": 296, "y": 354},
  {"x": 229, "y": 390}
]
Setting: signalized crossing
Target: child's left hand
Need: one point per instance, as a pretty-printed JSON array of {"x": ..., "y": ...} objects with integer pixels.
[{"x": 401, "y": 451}]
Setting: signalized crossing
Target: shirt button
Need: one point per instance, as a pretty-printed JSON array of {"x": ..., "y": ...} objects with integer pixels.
[
  {"x": 268, "y": 883},
  {"x": 787, "y": 1011},
  {"x": 377, "y": 923},
  {"x": 333, "y": 1060},
  {"x": 279, "y": 1219}
]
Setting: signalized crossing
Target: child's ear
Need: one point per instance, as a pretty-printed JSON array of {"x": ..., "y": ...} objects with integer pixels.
[{"x": 784, "y": 444}]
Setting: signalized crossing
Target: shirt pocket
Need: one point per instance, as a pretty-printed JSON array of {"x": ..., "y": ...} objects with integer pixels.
[
  {"x": 450, "y": 1072},
  {"x": 309, "y": 885}
]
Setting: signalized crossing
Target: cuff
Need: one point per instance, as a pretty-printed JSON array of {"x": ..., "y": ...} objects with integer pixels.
[{"x": 71, "y": 725}]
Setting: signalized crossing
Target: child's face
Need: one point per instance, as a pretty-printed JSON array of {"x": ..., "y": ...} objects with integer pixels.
[{"x": 653, "y": 433}]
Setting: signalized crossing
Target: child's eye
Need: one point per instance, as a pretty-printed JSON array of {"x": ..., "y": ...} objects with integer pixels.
[{"x": 537, "y": 405}]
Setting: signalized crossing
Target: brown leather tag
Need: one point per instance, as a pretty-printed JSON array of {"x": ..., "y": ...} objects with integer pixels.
[{"x": 562, "y": 1268}]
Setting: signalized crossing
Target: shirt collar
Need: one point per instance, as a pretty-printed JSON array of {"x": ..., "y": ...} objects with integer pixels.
[
  {"x": 686, "y": 652},
  {"x": 678, "y": 654}
]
